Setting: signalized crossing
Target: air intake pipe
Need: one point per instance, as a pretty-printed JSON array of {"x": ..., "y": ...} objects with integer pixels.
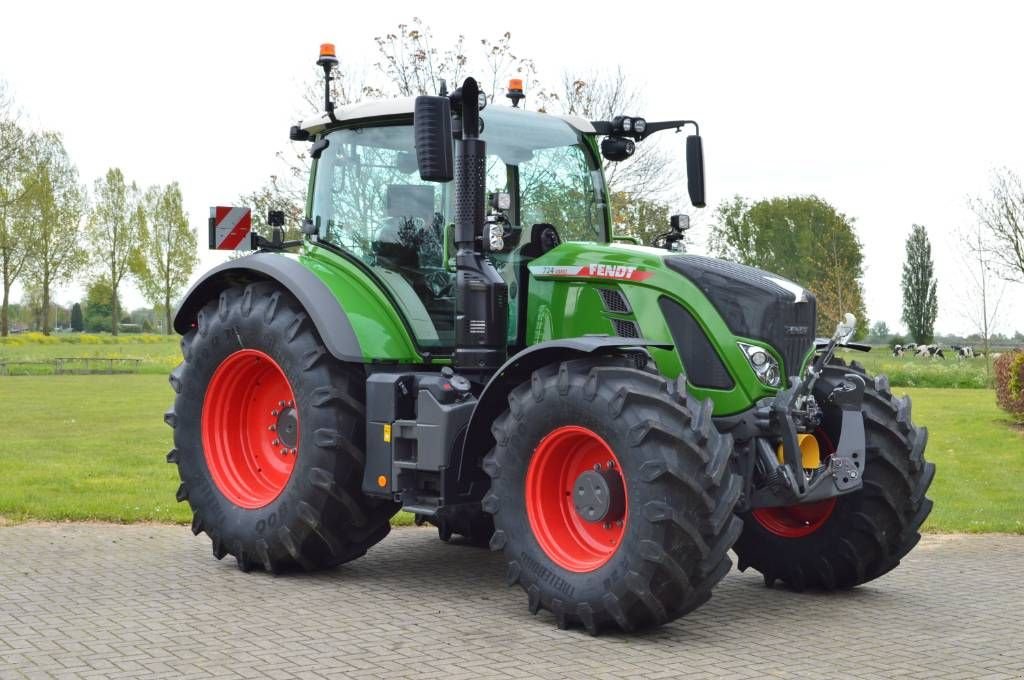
[{"x": 481, "y": 307}]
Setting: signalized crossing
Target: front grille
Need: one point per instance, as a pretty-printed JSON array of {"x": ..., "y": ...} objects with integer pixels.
[
  {"x": 703, "y": 366},
  {"x": 625, "y": 329},
  {"x": 614, "y": 301},
  {"x": 754, "y": 305}
]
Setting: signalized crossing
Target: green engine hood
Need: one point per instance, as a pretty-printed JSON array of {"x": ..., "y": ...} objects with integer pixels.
[{"x": 701, "y": 305}]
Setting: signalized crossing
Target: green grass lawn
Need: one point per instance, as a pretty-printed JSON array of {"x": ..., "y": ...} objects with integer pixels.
[{"x": 92, "y": 447}]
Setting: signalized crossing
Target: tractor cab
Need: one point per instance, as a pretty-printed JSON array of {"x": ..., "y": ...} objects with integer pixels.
[{"x": 542, "y": 175}]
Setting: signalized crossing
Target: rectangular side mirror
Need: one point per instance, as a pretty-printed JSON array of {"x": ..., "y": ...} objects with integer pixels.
[
  {"x": 432, "y": 122},
  {"x": 695, "y": 170}
]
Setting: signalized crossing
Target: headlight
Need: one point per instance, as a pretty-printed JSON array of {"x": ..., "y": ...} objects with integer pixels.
[
  {"x": 639, "y": 124},
  {"x": 627, "y": 125},
  {"x": 764, "y": 364}
]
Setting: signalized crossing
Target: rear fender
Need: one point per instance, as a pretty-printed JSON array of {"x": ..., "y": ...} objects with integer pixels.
[{"x": 323, "y": 308}]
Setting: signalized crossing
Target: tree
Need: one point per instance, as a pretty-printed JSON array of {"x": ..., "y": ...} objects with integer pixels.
[
  {"x": 1001, "y": 214},
  {"x": 15, "y": 211},
  {"x": 642, "y": 219},
  {"x": 411, "y": 63},
  {"x": 169, "y": 251},
  {"x": 983, "y": 290},
  {"x": 802, "y": 238},
  {"x": 32, "y": 307},
  {"x": 57, "y": 205},
  {"x": 99, "y": 305},
  {"x": 920, "y": 300},
  {"x": 77, "y": 320},
  {"x": 115, "y": 226},
  {"x": 879, "y": 331},
  {"x": 640, "y": 187},
  {"x": 276, "y": 195},
  {"x": 16, "y": 159}
]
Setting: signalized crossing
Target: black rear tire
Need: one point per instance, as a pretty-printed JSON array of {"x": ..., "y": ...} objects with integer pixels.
[
  {"x": 679, "y": 493},
  {"x": 869, "y": 531},
  {"x": 321, "y": 517}
]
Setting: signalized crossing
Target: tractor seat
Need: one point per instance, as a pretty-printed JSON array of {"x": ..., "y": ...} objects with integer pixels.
[
  {"x": 408, "y": 231},
  {"x": 543, "y": 237}
]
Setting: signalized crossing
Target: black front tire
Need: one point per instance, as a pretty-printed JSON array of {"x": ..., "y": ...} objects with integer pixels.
[
  {"x": 680, "y": 494},
  {"x": 321, "y": 517},
  {"x": 870, "y": 531}
]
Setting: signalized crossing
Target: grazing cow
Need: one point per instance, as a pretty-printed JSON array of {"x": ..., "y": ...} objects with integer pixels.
[
  {"x": 963, "y": 351},
  {"x": 930, "y": 351},
  {"x": 901, "y": 350}
]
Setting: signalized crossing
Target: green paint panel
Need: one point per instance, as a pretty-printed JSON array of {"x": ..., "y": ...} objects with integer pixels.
[
  {"x": 563, "y": 305},
  {"x": 381, "y": 331}
]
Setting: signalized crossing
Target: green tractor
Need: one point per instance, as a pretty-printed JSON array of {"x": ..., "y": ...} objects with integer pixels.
[{"x": 459, "y": 334}]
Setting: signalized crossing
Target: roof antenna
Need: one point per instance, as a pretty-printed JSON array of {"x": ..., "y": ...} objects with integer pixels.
[{"x": 443, "y": 90}]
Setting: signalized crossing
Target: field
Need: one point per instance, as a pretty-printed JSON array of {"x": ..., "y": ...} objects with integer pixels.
[
  {"x": 159, "y": 353},
  {"x": 92, "y": 447},
  {"x": 920, "y": 372}
]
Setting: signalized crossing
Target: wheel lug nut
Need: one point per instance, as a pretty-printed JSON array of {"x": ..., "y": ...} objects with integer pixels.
[
  {"x": 281, "y": 403},
  {"x": 597, "y": 467},
  {"x": 291, "y": 403},
  {"x": 272, "y": 428},
  {"x": 284, "y": 452},
  {"x": 274, "y": 412},
  {"x": 618, "y": 522},
  {"x": 607, "y": 525},
  {"x": 611, "y": 464},
  {"x": 275, "y": 442}
]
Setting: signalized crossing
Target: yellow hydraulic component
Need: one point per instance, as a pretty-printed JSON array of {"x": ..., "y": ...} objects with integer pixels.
[{"x": 809, "y": 451}]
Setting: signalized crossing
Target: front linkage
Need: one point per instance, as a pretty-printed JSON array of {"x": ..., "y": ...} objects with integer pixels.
[{"x": 794, "y": 411}]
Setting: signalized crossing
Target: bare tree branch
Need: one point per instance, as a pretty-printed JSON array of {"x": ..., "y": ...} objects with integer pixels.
[
  {"x": 983, "y": 293},
  {"x": 1002, "y": 216}
]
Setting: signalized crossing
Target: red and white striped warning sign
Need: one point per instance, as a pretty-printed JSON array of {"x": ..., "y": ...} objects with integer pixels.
[{"x": 230, "y": 228}]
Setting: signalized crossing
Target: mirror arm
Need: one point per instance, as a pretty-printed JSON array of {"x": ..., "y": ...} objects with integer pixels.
[
  {"x": 666, "y": 125},
  {"x": 606, "y": 127}
]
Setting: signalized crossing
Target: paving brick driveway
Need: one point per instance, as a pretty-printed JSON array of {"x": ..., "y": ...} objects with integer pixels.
[{"x": 82, "y": 600}]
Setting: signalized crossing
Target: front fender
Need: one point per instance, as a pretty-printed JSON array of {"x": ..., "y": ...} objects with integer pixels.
[
  {"x": 323, "y": 308},
  {"x": 493, "y": 401}
]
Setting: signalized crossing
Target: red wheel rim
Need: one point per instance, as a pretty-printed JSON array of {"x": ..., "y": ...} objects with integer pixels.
[
  {"x": 570, "y": 541},
  {"x": 250, "y": 429},
  {"x": 797, "y": 521}
]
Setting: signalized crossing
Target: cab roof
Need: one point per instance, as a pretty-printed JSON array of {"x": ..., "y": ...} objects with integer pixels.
[{"x": 403, "y": 106}]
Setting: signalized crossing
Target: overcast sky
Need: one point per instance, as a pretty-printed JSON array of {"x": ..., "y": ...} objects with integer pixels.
[{"x": 893, "y": 112}]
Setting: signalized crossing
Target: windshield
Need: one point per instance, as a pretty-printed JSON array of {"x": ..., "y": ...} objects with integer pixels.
[{"x": 369, "y": 200}]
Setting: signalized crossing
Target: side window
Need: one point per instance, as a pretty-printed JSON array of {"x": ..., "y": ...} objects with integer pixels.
[
  {"x": 557, "y": 187},
  {"x": 370, "y": 201}
]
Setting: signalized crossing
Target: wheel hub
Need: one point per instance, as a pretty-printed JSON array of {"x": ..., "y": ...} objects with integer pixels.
[
  {"x": 287, "y": 427},
  {"x": 599, "y": 495}
]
